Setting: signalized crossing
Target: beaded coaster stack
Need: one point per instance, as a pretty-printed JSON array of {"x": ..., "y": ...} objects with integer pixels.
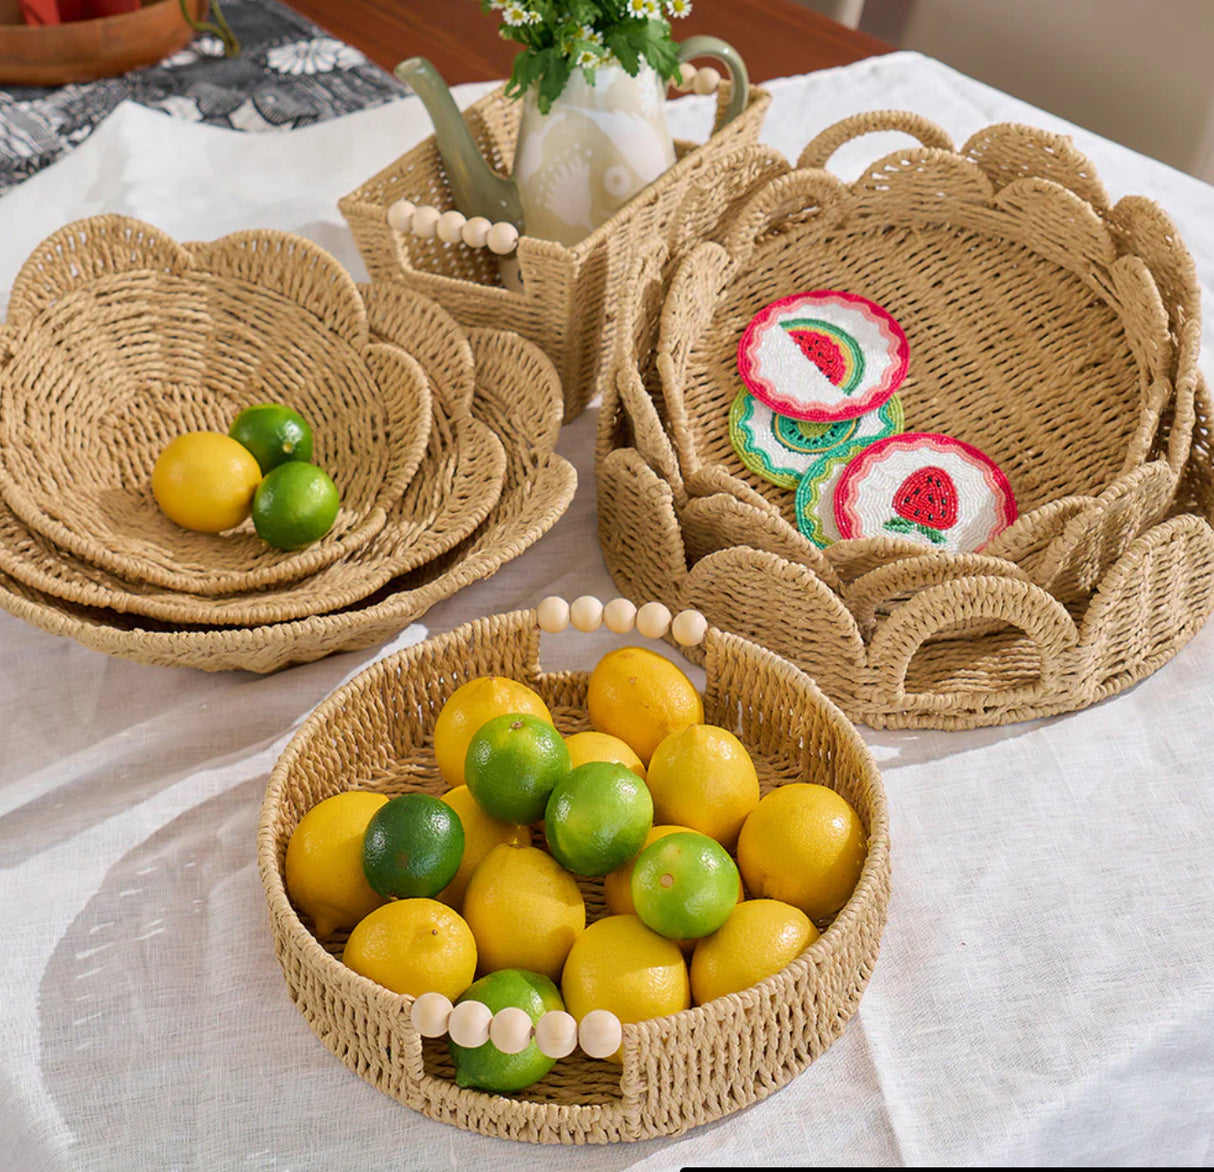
[{"x": 675, "y": 1072}]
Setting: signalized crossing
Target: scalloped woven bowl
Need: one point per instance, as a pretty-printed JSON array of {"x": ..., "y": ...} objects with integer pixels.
[
  {"x": 1056, "y": 333},
  {"x": 517, "y": 395},
  {"x": 678, "y": 1071},
  {"x": 119, "y": 339},
  {"x": 458, "y": 482}
]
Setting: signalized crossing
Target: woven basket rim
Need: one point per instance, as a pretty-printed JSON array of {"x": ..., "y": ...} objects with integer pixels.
[{"x": 870, "y": 894}]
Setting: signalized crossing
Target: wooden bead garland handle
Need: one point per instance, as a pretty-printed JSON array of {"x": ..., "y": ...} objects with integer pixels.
[
  {"x": 819, "y": 150},
  {"x": 557, "y": 1033}
]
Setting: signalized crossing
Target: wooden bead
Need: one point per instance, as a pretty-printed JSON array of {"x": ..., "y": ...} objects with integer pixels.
[
  {"x": 502, "y": 238},
  {"x": 510, "y": 1030},
  {"x": 400, "y": 214},
  {"x": 586, "y": 613},
  {"x": 619, "y": 616},
  {"x": 475, "y": 232},
  {"x": 469, "y": 1024},
  {"x": 430, "y": 1014},
  {"x": 425, "y": 222},
  {"x": 707, "y": 81},
  {"x": 689, "y": 628},
  {"x": 600, "y": 1033},
  {"x": 556, "y": 1034},
  {"x": 451, "y": 226},
  {"x": 653, "y": 620},
  {"x": 687, "y": 76},
  {"x": 552, "y": 615}
]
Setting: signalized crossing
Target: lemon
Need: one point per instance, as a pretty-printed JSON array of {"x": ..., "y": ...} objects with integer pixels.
[
  {"x": 481, "y": 835},
  {"x": 205, "y": 481},
  {"x": 413, "y": 847},
  {"x": 597, "y": 818},
  {"x": 513, "y": 762},
  {"x": 641, "y": 697},
  {"x": 414, "y": 946},
  {"x": 486, "y": 1066},
  {"x": 524, "y": 910},
  {"x": 616, "y": 889},
  {"x": 468, "y": 708},
  {"x": 295, "y": 505},
  {"x": 805, "y": 845},
  {"x": 760, "y": 937},
  {"x": 324, "y": 867},
  {"x": 597, "y": 746},
  {"x": 684, "y": 885},
  {"x": 273, "y": 434},
  {"x": 702, "y": 776},
  {"x": 620, "y": 965}
]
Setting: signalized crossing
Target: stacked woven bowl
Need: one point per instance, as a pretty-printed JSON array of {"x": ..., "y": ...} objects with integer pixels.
[
  {"x": 1056, "y": 332},
  {"x": 439, "y": 440}
]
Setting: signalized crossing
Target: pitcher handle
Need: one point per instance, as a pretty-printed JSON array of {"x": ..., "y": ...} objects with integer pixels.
[{"x": 728, "y": 56}]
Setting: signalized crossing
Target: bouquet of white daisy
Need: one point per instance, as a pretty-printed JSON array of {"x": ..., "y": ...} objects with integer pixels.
[{"x": 559, "y": 36}]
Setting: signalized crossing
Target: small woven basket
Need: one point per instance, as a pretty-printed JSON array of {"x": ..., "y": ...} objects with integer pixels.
[
  {"x": 568, "y": 306},
  {"x": 678, "y": 1071},
  {"x": 120, "y": 339},
  {"x": 1065, "y": 346}
]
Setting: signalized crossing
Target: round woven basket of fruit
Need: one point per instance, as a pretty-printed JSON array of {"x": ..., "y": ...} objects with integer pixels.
[{"x": 576, "y": 907}]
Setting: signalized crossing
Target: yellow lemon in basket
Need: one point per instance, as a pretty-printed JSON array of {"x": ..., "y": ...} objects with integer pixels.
[
  {"x": 471, "y": 706},
  {"x": 525, "y": 911},
  {"x": 760, "y": 937},
  {"x": 414, "y": 946},
  {"x": 324, "y": 867},
  {"x": 620, "y": 965},
  {"x": 481, "y": 835},
  {"x": 805, "y": 845},
  {"x": 641, "y": 697},
  {"x": 597, "y": 746},
  {"x": 205, "y": 481},
  {"x": 703, "y": 777}
]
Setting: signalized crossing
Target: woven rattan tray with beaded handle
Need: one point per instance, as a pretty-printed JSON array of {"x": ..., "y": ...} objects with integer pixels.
[
  {"x": 1087, "y": 394},
  {"x": 678, "y": 1071}
]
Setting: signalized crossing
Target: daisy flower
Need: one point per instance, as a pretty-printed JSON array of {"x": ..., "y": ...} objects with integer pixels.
[{"x": 678, "y": 8}]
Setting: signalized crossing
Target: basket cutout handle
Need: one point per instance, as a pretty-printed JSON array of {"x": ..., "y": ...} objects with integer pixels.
[
  {"x": 969, "y": 601},
  {"x": 819, "y": 150},
  {"x": 896, "y": 581},
  {"x": 800, "y": 194}
]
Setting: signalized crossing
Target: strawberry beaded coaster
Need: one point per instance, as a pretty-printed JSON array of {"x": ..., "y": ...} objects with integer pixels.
[
  {"x": 823, "y": 355},
  {"x": 928, "y": 487}
]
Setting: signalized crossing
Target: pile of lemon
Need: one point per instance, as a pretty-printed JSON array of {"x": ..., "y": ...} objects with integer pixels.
[
  {"x": 667, "y": 809},
  {"x": 211, "y": 482}
]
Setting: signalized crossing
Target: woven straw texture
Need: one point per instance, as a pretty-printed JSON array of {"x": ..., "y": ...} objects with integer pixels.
[
  {"x": 568, "y": 306},
  {"x": 678, "y": 1071},
  {"x": 514, "y": 398},
  {"x": 121, "y": 339},
  {"x": 1064, "y": 345}
]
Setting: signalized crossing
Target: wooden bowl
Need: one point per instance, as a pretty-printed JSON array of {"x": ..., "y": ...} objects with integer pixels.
[{"x": 85, "y": 50}]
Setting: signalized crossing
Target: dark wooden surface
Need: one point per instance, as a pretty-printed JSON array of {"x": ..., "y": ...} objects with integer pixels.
[{"x": 775, "y": 37}]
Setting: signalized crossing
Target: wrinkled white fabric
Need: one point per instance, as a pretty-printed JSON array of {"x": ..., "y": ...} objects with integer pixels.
[{"x": 1045, "y": 992}]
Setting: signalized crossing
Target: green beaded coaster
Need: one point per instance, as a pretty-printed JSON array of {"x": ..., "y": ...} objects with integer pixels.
[{"x": 782, "y": 449}]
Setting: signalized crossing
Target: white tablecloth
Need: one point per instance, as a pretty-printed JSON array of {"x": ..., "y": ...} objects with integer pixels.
[{"x": 1045, "y": 992}]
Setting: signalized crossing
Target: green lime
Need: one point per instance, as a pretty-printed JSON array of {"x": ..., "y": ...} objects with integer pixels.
[
  {"x": 597, "y": 818},
  {"x": 684, "y": 886},
  {"x": 412, "y": 847},
  {"x": 513, "y": 762},
  {"x": 295, "y": 505},
  {"x": 486, "y": 1066},
  {"x": 274, "y": 434}
]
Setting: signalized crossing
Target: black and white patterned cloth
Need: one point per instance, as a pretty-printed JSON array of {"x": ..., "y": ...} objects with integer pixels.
[{"x": 289, "y": 73}]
